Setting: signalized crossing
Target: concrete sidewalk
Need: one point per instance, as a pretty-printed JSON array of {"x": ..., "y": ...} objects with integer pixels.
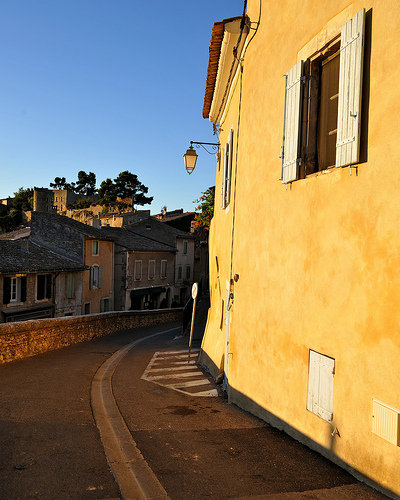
[{"x": 202, "y": 447}]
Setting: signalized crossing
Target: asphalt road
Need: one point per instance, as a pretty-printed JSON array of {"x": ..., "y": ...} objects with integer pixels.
[{"x": 196, "y": 445}]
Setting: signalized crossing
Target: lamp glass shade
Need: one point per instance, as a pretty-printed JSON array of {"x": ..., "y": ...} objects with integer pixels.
[{"x": 190, "y": 158}]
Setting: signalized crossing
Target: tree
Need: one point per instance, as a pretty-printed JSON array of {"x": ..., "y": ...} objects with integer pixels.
[
  {"x": 206, "y": 208},
  {"x": 11, "y": 222},
  {"x": 23, "y": 200},
  {"x": 107, "y": 192},
  {"x": 61, "y": 183},
  {"x": 86, "y": 184},
  {"x": 128, "y": 185}
]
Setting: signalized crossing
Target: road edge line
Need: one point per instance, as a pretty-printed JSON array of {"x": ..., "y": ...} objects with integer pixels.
[{"x": 133, "y": 475}]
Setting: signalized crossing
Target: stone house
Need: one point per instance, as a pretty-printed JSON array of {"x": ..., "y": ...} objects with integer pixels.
[
  {"x": 37, "y": 283},
  {"x": 183, "y": 242},
  {"x": 143, "y": 270},
  {"x": 86, "y": 245}
]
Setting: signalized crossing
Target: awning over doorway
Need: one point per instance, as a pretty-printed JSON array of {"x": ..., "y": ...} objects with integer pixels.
[{"x": 152, "y": 290}]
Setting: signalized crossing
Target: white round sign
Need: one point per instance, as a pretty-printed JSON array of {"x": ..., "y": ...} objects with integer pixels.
[{"x": 195, "y": 289}]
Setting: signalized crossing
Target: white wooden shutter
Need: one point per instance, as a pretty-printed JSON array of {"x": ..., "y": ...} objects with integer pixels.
[
  {"x": 320, "y": 385},
  {"x": 291, "y": 128},
  {"x": 350, "y": 89},
  {"x": 229, "y": 170}
]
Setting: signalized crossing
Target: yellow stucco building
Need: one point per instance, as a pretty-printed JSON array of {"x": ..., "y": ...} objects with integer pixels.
[{"x": 304, "y": 244}]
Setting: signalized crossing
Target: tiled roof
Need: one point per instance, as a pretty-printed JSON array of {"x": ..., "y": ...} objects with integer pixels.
[
  {"x": 53, "y": 219},
  {"x": 217, "y": 36},
  {"x": 159, "y": 231},
  {"x": 15, "y": 235},
  {"x": 134, "y": 241},
  {"x": 15, "y": 259}
]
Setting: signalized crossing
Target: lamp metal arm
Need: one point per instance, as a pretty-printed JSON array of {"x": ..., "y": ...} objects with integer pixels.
[{"x": 215, "y": 146}]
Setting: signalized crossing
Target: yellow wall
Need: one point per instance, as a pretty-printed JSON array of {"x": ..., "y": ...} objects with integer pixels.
[{"x": 318, "y": 261}]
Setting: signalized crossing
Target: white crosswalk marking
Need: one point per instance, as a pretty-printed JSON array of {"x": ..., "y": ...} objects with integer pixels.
[{"x": 168, "y": 368}]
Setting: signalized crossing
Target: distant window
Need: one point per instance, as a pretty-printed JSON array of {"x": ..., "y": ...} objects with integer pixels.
[
  {"x": 43, "y": 289},
  {"x": 185, "y": 247},
  {"x": 95, "y": 247},
  {"x": 187, "y": 272},
  {"x": 163, "y": 269},
  {"x": 14, "y": 289},
  {"x": 227, "y": 171},
  {"x": 87, "y": 308},
  {"x": 105, "y": 305},
  {"x": 179, "y": 272},
  {"x": 96, "y": 277},
  {"x": 152, "y": 269},
  {"x": 138, "y": 270}
]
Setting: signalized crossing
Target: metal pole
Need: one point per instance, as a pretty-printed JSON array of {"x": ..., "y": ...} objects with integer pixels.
[{"x": 194, "y": 295}]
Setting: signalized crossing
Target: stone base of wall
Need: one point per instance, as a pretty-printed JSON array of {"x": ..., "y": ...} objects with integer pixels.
[{"x": 28, "y": 338}]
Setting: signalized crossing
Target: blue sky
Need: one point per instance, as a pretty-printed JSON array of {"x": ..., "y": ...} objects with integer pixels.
[{"x": 106, "y": 86}]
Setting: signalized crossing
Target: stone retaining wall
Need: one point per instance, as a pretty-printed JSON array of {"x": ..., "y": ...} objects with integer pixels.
[{"x": 28, "y": 338}]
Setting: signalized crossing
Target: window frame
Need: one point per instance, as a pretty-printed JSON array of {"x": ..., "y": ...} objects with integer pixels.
[
  {"x": 103, "y": 302},
  {"x": 43, "y": 286},
  {"x": 95, "y": 247},
  {"x": 20, "y": 296}
]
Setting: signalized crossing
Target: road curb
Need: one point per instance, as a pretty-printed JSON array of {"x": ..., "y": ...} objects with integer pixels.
[{"x": 133, "y": 475}]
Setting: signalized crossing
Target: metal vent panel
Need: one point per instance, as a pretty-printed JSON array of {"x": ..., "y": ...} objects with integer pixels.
[{"x": 386, "y": 422}]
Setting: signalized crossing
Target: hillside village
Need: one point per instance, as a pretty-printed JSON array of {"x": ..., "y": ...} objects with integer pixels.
[
  {"x": 304, "y": 252},
  {"x": 66, "y": 262}
]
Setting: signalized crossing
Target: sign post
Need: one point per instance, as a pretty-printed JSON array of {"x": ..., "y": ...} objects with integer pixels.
[{"x": 195, "y": 289}]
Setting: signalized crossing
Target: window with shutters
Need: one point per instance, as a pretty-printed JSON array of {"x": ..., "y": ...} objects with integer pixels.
[
  {"x": 14, "y": 289},
  {"x": 321, "y": 371},
  {"x": 43, "y": 288},
  {"x": 187, "y": 272},
  {"x": 322, "y": 117},
  {"x": 179, "y": 272},
  {"x": 96, "y": 277},
  {"x": 227, "y": 171},
  {"x": 138, "y": 270},
  {"x": 105, "y": 305}
]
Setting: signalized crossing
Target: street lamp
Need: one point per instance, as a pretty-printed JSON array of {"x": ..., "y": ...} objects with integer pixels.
[{"x": 190, "y": 156}]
